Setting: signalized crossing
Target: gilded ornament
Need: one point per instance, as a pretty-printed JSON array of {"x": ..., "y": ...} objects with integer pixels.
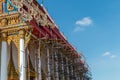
[
  {"x": 4, "y": 36},
  {"x": 1, "y": 8},
  {"x": 27, "y": 39},
  {"x": 10, "y": 7},
  {"x": 10, "y": 19},
  {"x": 3, "y": 22},
  {"x": 14, "y": 21},
  {"x": 15, "y": 39},
  {"x": 21, "y": 33},
  {"x": 2, "y": 0}
]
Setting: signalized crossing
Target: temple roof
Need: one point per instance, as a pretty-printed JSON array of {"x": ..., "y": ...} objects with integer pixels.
[{"x": 35, "y": 14}]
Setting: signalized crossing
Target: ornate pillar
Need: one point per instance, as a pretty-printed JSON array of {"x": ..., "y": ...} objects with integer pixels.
[
  {"x": 4, "y": 52},
  {"x": 22, "y": 63}
]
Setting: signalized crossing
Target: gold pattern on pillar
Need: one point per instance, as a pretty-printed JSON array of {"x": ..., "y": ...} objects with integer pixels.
[
  {"x": 14, "y": 39},
  {"x": 12, "y": 73},
  {"x": 4, "y": 36},
  {"x": 27, "y": 39}
]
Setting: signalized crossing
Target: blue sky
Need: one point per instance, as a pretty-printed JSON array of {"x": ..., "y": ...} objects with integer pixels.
[{"x": 93, "y": 27}]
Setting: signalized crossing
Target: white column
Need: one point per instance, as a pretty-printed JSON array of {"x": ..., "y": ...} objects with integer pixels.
[
  {"x": 22, "y": 58},
  {"x": 4, "y": 65}
]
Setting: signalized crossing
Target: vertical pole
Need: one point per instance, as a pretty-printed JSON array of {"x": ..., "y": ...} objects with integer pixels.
[
  {"x": 53, "y": 67},
  {"x": 22, "y": 57},
  {"x": 67, "y": 66},
  {"x": 72, "y": 67},
  {"x": 4, "y": 58},
  {"x": 28, "y": 62},
  {"x": 76, "y": 72},
  {"x": 48, "y": 64},
  {"x": 0, "y": 57},
  {"x": 56, "y": 67},
  {"x": 76, "y": 69},
  {"x": 39, "y": 63},
  {"x": 36, "y": 62},
  {"x": 62, "y": 66}
]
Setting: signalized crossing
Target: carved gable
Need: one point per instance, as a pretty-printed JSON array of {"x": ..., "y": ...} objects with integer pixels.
[{"x": 6, "y": 6}]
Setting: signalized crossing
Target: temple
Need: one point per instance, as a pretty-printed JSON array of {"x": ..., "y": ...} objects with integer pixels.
[{"x": 33, "y": 48}]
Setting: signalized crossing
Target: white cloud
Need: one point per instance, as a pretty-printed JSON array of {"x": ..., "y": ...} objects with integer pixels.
[
  {"x": 86, "y": 21},
  {"x": 109, "y": 54},
  {"x": 78, "y": 28},
  {"x": 81, "y": 24},
  {"x": 113, "y": 56}
]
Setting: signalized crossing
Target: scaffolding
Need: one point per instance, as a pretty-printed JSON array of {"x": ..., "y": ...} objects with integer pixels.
[{"x": 38, "y": 50}]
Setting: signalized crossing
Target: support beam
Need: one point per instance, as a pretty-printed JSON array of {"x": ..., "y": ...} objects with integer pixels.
[{"x": 4, "y": 53}]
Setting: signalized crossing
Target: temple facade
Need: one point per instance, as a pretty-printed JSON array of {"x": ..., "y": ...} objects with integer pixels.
[{"x": 33, "y": 48}]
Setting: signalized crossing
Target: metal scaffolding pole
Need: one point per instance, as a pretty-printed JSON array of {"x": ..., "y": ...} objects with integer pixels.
[
  {"x": 68, "y": 70},
  {"x": 62, "y": 64},
  {"x": 76, "y": 71},
  {"x": 52, "y": 55},
  {"x": 39, "y": 62},
  {"x": 72, "y": 74},
  {"x": 48, "y": 64},
  {"x": 73, "y": 67},
  {"x": 56, "y": 66},
  {"x": 36, "y": 62}
]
